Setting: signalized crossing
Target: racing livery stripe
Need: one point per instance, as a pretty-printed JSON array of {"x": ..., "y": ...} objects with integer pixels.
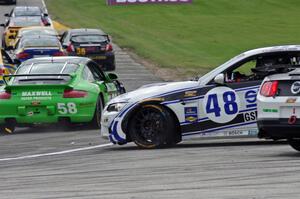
[
  {"x": 218, "y": 128},
  {"x": 208, "y": 124}
]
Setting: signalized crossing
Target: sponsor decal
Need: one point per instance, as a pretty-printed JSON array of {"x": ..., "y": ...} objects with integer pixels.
[
  {"x": 291, "y": 100},
  {"x": 295, "y": 88},
  {"x": 250, "y": 116},
  {"x": 190, "y": 93},
  {"x": 36, "y": 95},
  {"x": 270, "y": 110},
  {"x": 253, "y": 132},
  {"x": 129, "y": 2},
  {"x": 191, "y": 114}
]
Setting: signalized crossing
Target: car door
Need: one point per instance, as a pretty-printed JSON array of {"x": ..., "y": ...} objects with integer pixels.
[
  {"x": 109, "y": 88},
  {"x": 228, "y": 109}
]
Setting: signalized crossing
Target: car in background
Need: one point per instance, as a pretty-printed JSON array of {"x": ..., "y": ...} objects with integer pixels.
[
  {"x": 8, "y": 1},
  {"x": 12, "y": 27},
  {"x": 7, "y": 65},
  {"x": 29, "y": 11},
  {"x": 221, "y": 103},
  {"x": 37, "y": 46},
  {"x": 92, "y": 43},
  {"x": 35, "y": 30},
  {"x": 63, "y": 90},
  {"x": 278, "y": 112}
]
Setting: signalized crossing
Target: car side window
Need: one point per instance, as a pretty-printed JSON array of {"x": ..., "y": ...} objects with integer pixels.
[
  {"x": 97, "y": 73},
  {"x": 87, "y": 75},
  {"x": 242, "y": 72}
]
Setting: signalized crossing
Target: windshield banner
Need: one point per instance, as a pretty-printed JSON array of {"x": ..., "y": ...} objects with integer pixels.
[{"x": 129, "y": 2}]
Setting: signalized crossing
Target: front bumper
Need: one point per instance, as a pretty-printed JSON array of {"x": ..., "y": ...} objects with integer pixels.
[
  {"x": 278, "y": 128},
  {"x": 111, "y": 128}
]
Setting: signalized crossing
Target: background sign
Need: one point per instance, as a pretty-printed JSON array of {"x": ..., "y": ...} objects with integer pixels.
[{"x": 129, "y": 2}]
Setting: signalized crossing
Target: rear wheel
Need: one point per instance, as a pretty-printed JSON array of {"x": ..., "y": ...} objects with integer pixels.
[
  {"x": 96, "y": 122},
  {"x": 152, "y": 126},
  {"x": 295, "y": 143}
]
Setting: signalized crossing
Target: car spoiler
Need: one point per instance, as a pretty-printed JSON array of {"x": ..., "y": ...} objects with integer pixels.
[{"x": 42, "y": 76}]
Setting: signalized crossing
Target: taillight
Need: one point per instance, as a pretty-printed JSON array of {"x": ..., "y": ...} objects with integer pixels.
[
  {"x": 70, "y": 48},
  {"x": 23, "y": 55},
  {"x": 74, "y": 94},
  {"x": 108, "y": 48},
  {"x": 59, "y": 53},
  {"x": 269, "y": 88},
  {"x": 5, "y": 95}
]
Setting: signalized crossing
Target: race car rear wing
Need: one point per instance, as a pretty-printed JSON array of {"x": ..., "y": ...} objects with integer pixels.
[{"x": 41, "y": 77}]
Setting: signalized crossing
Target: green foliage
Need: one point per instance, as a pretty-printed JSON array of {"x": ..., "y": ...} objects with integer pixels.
[{"x": 202, "y": 35}]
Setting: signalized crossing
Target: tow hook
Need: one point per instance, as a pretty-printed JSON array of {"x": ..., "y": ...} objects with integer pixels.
[{"x": 292, "y": 120}]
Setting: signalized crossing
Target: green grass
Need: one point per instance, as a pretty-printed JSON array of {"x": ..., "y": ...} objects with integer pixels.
[{"x": 202, "y": 35}]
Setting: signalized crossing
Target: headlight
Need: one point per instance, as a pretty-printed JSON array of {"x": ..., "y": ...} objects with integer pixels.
[{"x": 116, "y": 107}]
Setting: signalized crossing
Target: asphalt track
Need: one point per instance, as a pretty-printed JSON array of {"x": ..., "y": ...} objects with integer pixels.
[{"x": 47, "y": 162}]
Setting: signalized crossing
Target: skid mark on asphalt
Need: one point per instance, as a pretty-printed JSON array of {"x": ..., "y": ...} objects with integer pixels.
[{"x": 55, "y": 153}]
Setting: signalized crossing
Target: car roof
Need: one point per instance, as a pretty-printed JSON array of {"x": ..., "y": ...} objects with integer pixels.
[
  {"x": 85, "y": 31},
  {"x": 265, "y": 50},
  {"x": 70, "y": 59}
]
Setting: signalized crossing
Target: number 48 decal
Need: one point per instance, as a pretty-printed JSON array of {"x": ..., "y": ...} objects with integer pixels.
[
  {"x": 221, "y": 104},
  {"x": 230, "y": 105},
  {"x": 67, "y": 108}
]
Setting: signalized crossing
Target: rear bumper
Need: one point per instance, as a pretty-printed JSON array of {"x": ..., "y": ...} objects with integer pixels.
[
  {"x": 48, "y": 113},
  {"x": 278, "y": 128}
]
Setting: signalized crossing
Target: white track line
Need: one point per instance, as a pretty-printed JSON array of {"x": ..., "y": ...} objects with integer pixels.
[{"x": 56, "y": 153}]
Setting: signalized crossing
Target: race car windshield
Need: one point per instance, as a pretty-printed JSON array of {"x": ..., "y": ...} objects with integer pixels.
[
  {"x": 33, "y": 11},
  {"x": 39, "y": 42},
  {"x": 24, "y": 22},
  {"x": 89, "y": 38},
  {"x": 38, "y": 32}
]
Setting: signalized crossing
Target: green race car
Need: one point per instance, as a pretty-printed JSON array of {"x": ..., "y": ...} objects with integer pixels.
[{"x": 56, "y": 89}]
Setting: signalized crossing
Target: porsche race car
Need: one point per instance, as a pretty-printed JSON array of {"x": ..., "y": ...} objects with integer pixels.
[
  {"x": 220, "y": 103},
  {"x": 56, "y": 90}
]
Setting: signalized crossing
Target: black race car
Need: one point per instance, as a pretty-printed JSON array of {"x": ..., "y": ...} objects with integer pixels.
[
  {"x": 8, "y": 1},
  {"x": 92, "y": 43}
]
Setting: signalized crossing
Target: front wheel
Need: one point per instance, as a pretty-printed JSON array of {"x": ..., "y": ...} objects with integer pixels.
[
  {"x": 294, "y": 143},
  {"x": 152, "y": 126}
]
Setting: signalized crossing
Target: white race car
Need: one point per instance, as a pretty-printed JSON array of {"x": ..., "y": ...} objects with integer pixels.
[
  {"x": 278, "y": 105},
  {"x": 220, "y": 103}
]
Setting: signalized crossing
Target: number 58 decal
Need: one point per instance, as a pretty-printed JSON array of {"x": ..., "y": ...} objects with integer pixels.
[
  {"x": 221, "y": 104},
  {"x": 67, "y": 108}
]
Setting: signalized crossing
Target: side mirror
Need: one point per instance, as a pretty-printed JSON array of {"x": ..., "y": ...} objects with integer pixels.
[
  {"x": 112, "y": 76},
  {"x": 46, "y": 15},
  {"x": 6, "y": 15},
  {"x": 220, "y": 79}
]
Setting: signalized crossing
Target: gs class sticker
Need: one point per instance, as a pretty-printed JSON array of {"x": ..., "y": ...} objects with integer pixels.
[{"x": 221, "y": 104}]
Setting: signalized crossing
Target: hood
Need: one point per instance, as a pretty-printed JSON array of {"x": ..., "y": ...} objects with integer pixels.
[{"x": 154, "y": 90}]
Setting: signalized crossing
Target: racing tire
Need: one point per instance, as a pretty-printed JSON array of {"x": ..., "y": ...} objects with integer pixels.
[
  {"x": 295, "y": 144},
  {"x": 96, "y": 122},
  {"x": 152, "y": 126}
]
